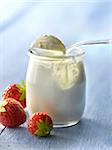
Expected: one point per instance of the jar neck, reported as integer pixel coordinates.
(53, 55)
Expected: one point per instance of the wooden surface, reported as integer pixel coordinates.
(88, 134)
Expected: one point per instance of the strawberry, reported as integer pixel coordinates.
(16, 91)
(40, 124)
(12, 113)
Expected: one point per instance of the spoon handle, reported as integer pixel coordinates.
(108, 41)
(93, 42)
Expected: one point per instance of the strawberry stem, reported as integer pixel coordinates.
(22, 89)
(23, 84)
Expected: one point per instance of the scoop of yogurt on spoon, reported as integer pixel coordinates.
(48, 45)
(65, 72)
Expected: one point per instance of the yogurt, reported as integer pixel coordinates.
(56, 86)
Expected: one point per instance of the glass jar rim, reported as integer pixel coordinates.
(40, 53)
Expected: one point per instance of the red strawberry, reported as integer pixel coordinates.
(16, 91)
(40, 124)
(12, 113)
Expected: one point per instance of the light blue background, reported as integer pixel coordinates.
(21, 22)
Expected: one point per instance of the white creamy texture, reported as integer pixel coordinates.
(49, 42)
(57, 88)
(67, 73)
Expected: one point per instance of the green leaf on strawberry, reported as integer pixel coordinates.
(40, 124)
(22, 90)
(44, 127)
(2, 109)
(2, 104)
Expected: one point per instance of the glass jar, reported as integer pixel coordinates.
(56, 85)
